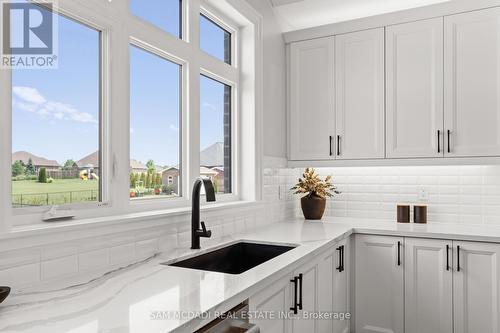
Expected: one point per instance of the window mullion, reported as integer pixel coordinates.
(6, 150)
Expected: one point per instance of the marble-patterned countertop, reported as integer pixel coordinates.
(150, 297)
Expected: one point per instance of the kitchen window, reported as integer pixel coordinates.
(215, 40)
(215, 133)
(155, 111)
(164, 14)
(56, 124)
(129, 112)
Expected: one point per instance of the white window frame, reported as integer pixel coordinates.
(119, 29)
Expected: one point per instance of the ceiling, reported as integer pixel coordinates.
(301, 14)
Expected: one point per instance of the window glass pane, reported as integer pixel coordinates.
(165, 14)
(55, 124)
(215, 133)
(214, 40)
(155, 107)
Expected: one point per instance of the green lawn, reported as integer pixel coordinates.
(60, 191)
(58, 185)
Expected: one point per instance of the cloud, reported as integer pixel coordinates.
(30, 95)
(33, 101)
(174, 128)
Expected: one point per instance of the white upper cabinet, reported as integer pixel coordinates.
(312, 117)
(414, 96)
(359, 87)
(428, 285)
(472, 83)
(476, 292)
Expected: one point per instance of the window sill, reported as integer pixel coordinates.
(125, 222)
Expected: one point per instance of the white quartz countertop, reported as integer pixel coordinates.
(150, 297)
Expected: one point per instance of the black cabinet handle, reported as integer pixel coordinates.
(299, 305)
(449, 147)
(338, 145)
(458, 258)
(294, 308)
(447, 257)
(439, 141)
(331, 153)
(399, 253)
(340, 259)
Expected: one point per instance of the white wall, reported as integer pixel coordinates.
(274, 82)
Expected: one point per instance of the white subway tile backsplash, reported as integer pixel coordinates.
(20, 276)
(57, 268)
(93, 260)
(121, 254)
(454, 194)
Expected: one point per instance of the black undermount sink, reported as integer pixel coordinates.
(234, 259)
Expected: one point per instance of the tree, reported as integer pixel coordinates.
(17, 168)
(151, 166)
(143, 178)
(158, 179)
(42, 176)
(132, 180)
(30, 168)
(69, 164)
(148, 181)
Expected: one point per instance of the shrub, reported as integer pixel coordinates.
(17, 168)
(42, 175)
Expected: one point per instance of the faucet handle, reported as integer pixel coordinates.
(206, 233)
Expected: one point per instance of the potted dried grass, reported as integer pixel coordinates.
(316, 191)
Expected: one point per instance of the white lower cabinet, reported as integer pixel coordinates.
(428, 286)
(317, 287)
(449, 286)
(378, 284)
(274, 299)
(476, 287)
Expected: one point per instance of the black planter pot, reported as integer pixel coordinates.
(313, 207)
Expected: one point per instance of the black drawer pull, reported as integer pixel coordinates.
(458, 258)
(299, 305)
(339, 268)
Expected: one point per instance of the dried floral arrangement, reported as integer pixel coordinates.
(312, 185)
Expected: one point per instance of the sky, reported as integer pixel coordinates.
(56, 111)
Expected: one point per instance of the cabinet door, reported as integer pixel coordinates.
(378, 289)
(428, 286)
(274, 299)
(414, 62)
(333, 288)
(476, 287)
(312, 114)
(308, 297)
(359, 69)
(472, 83)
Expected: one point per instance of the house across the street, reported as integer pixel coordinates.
(38, 162)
